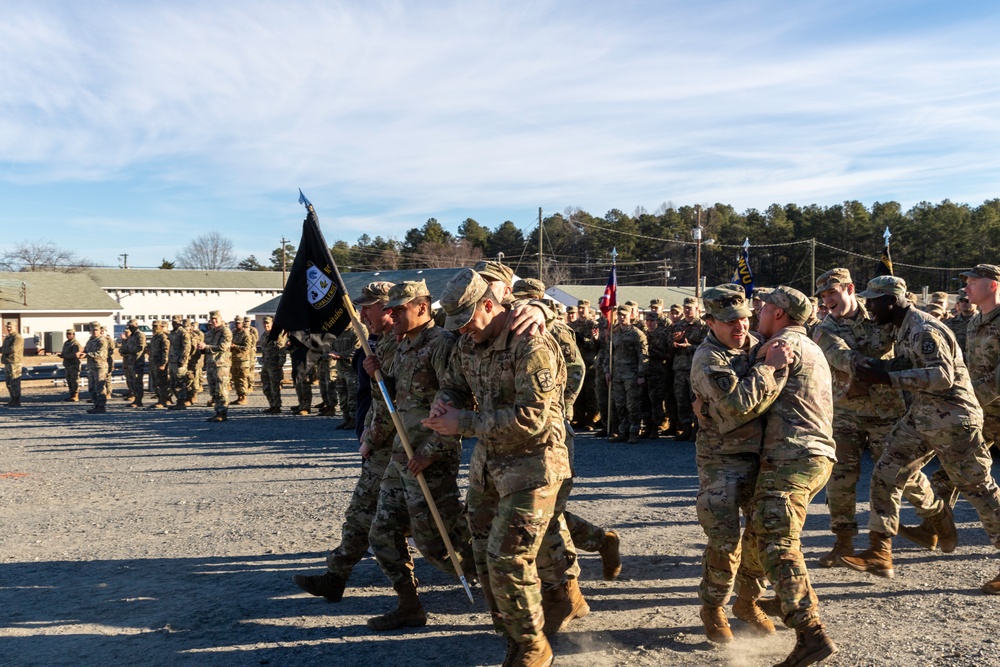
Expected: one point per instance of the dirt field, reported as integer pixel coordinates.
(153, 537)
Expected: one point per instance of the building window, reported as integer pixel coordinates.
(80, 327)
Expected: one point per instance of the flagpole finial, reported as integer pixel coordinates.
(302, 200)
(746, 243)
(887, 234)
(614, 254)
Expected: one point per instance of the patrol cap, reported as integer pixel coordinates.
(939, 297)
(372, 293)
(214, 313)
(726, 302)
(133, 322)
(460, 296)
(884, 285)
(793, 302)
(495, 271)
(631, 304)
(991, 271)
(650, 315)
(70, 331)
(831, 279)
(405, 292)
(760, 292)
(624, 309)
(529, 288)
(656, 302)
(177, 318)
(935, 309)
(246, 321)
(186, 322)
(690, 301)
(268, 319)
(93, 325)
(675, 308)
(583, 303)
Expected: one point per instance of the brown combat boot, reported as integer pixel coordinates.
(580, 606)
(876, 559)
(944, 526)
(409, 613)
(557, 609)
(844, 546)
(747, 610)
(326, 585)
(812, 645)
(513, 648)
(992, 587)
(536, 653)
(716, 624)
(922, 535)
(611, 560)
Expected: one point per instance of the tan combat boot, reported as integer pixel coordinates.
(716, 624)
(536, 653)
(844, 546)
(557, 609)
(944, 526)
(580, 606)
(992, 587)
(922, 535)
(747, 610)
(611, 560)
(409, 613)
(812, 645)
(876, 559)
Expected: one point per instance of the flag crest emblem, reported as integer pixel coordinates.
(318, 286)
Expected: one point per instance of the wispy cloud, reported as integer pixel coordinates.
(395, 111)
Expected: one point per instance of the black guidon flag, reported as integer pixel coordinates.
(312, 308)
(884, 267)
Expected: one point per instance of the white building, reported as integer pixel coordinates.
(158, 294)
(43, 302)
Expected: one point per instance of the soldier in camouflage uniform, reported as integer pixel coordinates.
(862, 415)
(688, 333)
(217, 348)
(133, 351)
(196, 362)
(71, 362)
(242, 355)
(111, 360)
(660, 342)
(417, 367)
(346, 384)
(731, 394)
(944, 418)
(159, 351)
(796, 459)
(12, 356)
(627, 375)
(254, 342)
(586, 410)
(959, 324)
(325, 377)
(520, 457)
(272, 367)
(602, 382)
(96, 354)
(376, 450)
(177, 362)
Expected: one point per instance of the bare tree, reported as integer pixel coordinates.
(42, 255)
(436, 255)
(209, 252)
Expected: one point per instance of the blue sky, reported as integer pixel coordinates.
(136, 126)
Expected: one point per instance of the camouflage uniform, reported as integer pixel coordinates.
(944, 418)
(602, 388)
(96, 350)
(586, 409)
(111, 360)
(254, 341)
(177, 360)
(983, 361)
(346, 383)
(11, 356)
(960, 326)
(133, 350)
(272, 370)
(520, 458)
(71, 362)
(576, 370)
(692, 333)
(862, 414)
(326, 378)
(159, 350)
(196, 363)
(218, 349)
(660, 342)
(796, 459)
(242, 355)
(416, 369)
(631, 359)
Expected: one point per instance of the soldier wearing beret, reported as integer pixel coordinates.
(71, 362)
(943, 419)
(133, 350)
(217, 348)
(520, 458)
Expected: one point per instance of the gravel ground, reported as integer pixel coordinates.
(153, 537)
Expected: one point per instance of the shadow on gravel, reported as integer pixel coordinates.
(220, 611)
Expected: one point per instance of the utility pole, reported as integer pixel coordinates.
(540, 243)
(124, 258)
(283, 271)
(697, 262)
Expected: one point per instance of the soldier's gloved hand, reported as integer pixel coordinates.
(870, 375)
